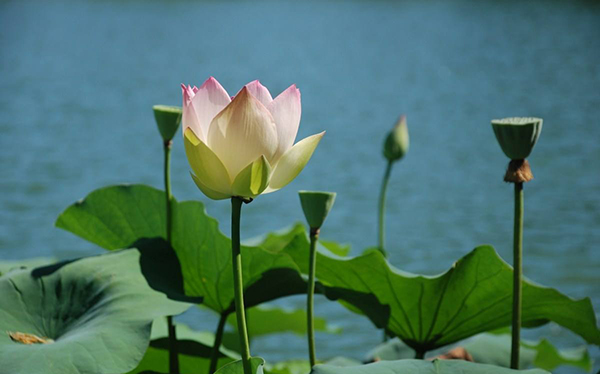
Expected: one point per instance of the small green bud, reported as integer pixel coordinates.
(316, 205)
(397, 143)
(168, 119)
(517, 135)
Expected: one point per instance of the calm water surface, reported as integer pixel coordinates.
(78, 79)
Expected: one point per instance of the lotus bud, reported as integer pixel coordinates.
(316, 205)
(168, 119)
(517, 137)
(397, 142)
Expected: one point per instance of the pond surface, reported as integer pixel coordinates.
(78, 79)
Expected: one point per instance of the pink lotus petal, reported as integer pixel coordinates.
(187, 93)
(206, 103)
(260, 92)
(286, 110)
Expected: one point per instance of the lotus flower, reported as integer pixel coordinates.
(243, 146)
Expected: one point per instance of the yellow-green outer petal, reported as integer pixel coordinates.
(211, 194)
(167, 119)
(253, 179)
(517, 136)
(293, 161)
(208, 168)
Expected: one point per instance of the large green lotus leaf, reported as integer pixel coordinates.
(289, 367)
(156, 360)
(6, 266)
(192, 342)
(303, 366)
(421, 367)
(277, 240)
(494, 349)
(194, 349)
(427, 312)
(265, 320)
(120, 216)
(236, 367)
(95, 315)
(205, 255)
(116, 217)
(336, 248)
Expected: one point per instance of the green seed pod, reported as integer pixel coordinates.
(396, 143)
(168, 119)
(517, 135)
(316, 205)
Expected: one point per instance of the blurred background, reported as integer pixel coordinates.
(78, 80)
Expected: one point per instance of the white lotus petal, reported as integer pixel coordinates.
(286, 110)
(242, 132)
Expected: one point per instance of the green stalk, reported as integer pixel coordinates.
(214, 354)
(420, 354)
(167, 149)
(238, 285)
(518, 275)
(314, 237)
(173, 356)
(384, 184)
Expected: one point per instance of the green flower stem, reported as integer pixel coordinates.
(518, 275)
(384, 184)
(173, 356)
(420, 354)
(314, 237)
(214, 355)
(238, 284)
(167, 149)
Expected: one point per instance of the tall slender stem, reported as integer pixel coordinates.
(314, 237)
(214, 354)
(167, 152)
(384, 184)
(173, 355)
(518, 275)
(238, 285)
(420, 354)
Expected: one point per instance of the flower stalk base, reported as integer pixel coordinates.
(238, 284)
(314, 238)
(517, 276)
(381, 209)
(173, 351)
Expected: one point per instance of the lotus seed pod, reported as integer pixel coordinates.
(168, 119)
(316, 205)
(517, 135)
(397, 142)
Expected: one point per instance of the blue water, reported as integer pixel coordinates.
(78, 79)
